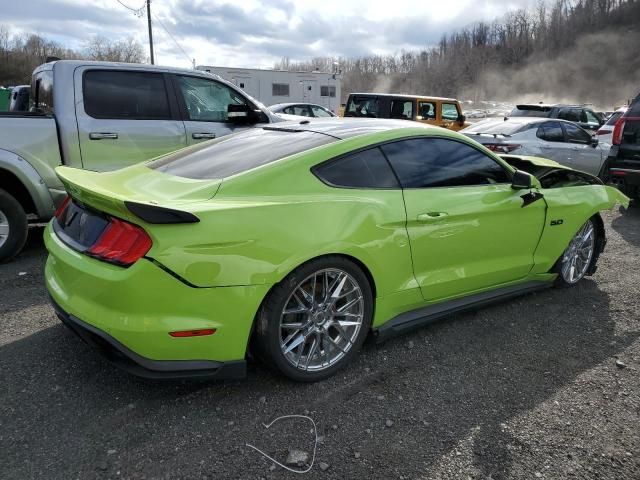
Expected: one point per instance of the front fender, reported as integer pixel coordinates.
(567, 210)
(617, 197)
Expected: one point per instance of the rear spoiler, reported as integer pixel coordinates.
(160, 215)
(539, 108)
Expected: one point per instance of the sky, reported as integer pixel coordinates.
(251, 33)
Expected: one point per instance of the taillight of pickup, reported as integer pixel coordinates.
(98, 235)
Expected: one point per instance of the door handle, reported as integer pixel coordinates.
(202, 135)
(103, 136)
(431, 217)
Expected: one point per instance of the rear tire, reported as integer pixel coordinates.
(315, 321)
(579, 258)
(13, 227)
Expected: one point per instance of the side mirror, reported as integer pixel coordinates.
(594, 142)
(521, 180)
(242, 114)
(462, 119)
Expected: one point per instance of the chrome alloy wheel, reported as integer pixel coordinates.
(4, 228)
(321, 320)
(577, 257)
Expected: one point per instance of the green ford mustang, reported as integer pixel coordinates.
(298, 240)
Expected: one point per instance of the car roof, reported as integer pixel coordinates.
(404, 95)
(523, 106)
(517, 120)
(289, 104)
(342, 128)
(72, 64)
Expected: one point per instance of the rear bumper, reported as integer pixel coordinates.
(129, 361)
(625, 179)
(623, 174)
(132, 312)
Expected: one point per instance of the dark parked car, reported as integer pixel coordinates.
(20, 98)
(624, 157)
(579, 114)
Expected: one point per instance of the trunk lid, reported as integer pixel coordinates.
(107, 191)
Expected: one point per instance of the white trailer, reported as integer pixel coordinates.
(281, 86)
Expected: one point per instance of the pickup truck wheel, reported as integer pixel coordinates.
(13, 227)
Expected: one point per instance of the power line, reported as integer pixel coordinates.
(137, 11)
(172, 38)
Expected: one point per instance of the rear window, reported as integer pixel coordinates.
(634, 109)
(530, 111)
(41, 99)
(496, 127)
(614, 118)
(238, 153)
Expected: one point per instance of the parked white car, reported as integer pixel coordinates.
(301, 110)
(605, 133)
(555, 139)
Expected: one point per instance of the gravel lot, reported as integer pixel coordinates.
(525, 389)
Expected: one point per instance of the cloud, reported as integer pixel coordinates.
(256, 33)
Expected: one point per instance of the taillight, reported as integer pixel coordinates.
(502, 147)
(121, 243)
(618, 128)
(63, 206)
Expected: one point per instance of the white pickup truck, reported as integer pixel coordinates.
(103, 116)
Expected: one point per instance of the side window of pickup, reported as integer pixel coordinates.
(207, 100)
(125, 95)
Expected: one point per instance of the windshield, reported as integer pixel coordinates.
(238, 153)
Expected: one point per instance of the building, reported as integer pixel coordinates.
(281, 86)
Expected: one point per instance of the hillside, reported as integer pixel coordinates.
(521, 57)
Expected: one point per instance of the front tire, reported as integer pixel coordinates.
(13, 227)
(579, 257)
(314, 322)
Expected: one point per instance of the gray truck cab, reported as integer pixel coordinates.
(103, 116)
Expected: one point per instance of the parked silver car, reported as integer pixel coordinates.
(556, 139)
(302, 110)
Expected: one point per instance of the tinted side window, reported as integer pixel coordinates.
(320, 112)
(41, 100)
(551, 132)
(591, 117)
(125, 95)
(300, 110)
(571, 114)
(402, 109)
(437, 162)
(362, 107)
(365, 169)
(206, 100)
(427, 110)
(449, 111)
(576, 134)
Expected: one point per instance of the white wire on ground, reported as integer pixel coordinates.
(315, 446)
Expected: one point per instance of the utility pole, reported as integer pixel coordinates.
(150, 32)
